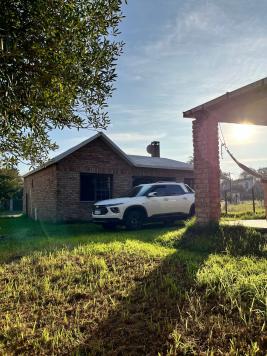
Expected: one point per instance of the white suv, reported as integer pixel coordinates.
(166, 201)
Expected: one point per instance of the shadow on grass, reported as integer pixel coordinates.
(168, 313)
(145, 320)
(21, 236)
(235, 240)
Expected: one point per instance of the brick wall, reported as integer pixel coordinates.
(96, 157)
(206, 169)
(41, 191)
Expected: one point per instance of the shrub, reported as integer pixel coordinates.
(239, 240)
(235, 240)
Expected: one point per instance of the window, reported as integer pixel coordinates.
(174, 190)
(160, 190)
(138, 191)
(167, 190)
(95, 187)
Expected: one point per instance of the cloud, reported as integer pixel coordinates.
(219, 38)
(194, 21)
(125, 137)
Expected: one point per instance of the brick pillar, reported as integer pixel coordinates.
(206, 169)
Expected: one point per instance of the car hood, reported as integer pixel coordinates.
(113, 201)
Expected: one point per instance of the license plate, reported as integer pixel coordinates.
(97, 212)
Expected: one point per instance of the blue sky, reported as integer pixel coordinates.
(180, 53)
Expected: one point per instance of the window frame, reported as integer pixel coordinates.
(94, 176)
(166, 186)
(153, 189)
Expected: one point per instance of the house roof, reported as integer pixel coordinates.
(136, 161)
(248, 101)
(159, 162)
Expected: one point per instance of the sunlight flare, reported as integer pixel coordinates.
(242, 133)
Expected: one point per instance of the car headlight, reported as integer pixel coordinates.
(115, 210)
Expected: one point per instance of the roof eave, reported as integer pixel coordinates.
(77, 147)
(222, 98)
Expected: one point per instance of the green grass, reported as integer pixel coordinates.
(76, 289)
(243, 211)
(21, 236)
(241, 279)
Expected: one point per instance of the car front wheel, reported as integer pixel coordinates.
(134, 219)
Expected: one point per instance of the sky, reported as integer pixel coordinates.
(178, 54)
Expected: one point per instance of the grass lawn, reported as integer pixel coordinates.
(77, 289)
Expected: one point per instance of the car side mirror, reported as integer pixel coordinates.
(152, 194)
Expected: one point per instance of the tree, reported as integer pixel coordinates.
(225, 175)
(190, 160)
(57, 69)
(10, 183)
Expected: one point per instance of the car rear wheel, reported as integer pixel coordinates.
(134, 219)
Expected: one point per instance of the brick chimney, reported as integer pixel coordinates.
(154, 149)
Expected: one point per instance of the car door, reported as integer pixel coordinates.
(179, 201)
(159, 204)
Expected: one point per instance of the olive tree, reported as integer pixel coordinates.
(57, 70)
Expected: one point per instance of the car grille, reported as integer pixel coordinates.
(102, 209)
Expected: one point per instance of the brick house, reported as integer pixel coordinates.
(67, 185)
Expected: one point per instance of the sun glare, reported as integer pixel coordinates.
(242, 132)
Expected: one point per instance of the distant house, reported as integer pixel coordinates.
(241, 189)
(66, 186)
(245, 184)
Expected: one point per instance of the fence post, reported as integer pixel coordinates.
(253, 200)
(225, 204)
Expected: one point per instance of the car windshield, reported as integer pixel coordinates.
(138, 191)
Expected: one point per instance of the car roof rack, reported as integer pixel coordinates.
(166, 181)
